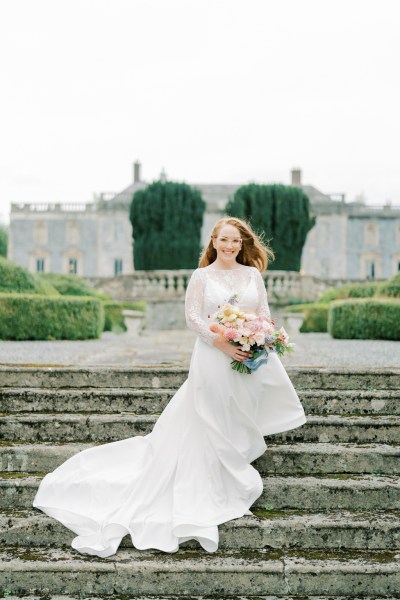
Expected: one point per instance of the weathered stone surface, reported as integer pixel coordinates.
(319, 458)
(349, 493)
(326, 525)
(36, 458)
(344, 379)
(138, 573)
(279, 459)
(330, 429)
(297, 493)
(171, 597)
(108, 428)
(18, 492)
(38, 376)
(74, 427)
(89, 377)
(145, 401)
(92, 400)
(376, 402)
(273, 530)
(348, 577)
(227, 574)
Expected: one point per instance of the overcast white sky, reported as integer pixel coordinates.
(212, 90)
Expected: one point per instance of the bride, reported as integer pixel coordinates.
(193, 471)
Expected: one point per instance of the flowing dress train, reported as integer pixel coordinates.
(193, 471)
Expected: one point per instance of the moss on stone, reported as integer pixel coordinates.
(19, 475)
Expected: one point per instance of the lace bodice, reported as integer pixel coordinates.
(208, 288)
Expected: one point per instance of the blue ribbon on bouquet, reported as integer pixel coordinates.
(260, 358)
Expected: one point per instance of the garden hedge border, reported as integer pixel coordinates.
(33, 317)
(365, 319)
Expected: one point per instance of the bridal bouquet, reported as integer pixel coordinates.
(254, 334)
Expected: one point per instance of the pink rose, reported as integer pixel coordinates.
(231, 335)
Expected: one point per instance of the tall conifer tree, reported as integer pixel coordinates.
(3, 241)
(282, 214)
(166, 222)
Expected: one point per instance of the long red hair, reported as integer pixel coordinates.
(253, 253)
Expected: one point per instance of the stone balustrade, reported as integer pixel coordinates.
(58, 207)
(170, 285)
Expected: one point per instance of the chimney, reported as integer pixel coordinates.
(136, 171)
(296, 177)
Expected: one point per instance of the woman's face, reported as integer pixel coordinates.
(228, 243)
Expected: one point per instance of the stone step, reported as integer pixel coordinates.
(195, 573)
(172, 597)
(266, 529)
(91, 400)
(279, 459)
(104, 428)
(323, 493)
(147, 401)
(310, 459)
(36, 376)
(378, 402)
(79, 596)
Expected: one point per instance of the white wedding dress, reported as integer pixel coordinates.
(192, 472)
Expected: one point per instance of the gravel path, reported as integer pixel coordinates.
(174, 348)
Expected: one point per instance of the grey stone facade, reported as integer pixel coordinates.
(91, 241)
(349, 240)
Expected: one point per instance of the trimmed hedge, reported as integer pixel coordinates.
(315, 318)
(355, 290)
(72, 285)
(364, 319)
(32, 317)
(17, 279)
(114, 319)
(391, 288)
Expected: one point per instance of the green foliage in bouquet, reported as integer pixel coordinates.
(3, 241)
(391, 287)
(114, 319)
(14, 278)
(281, 213)
(72, 285)
(365, 319)
(166, 222)
(354, 290)
(34, 317)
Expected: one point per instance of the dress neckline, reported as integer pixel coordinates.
(241, 268)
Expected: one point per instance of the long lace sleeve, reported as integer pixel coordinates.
(194, 307)
(262, 308)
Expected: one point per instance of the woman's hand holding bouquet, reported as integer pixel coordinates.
(247, 338)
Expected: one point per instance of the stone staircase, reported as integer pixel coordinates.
(327, 524)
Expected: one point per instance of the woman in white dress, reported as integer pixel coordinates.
(193, 471)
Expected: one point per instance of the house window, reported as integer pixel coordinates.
(325, 264)
(72, 266)
(117, 231)
(40, 265)
(73, 232)
(40, 233)
(371, 234)
(117, 266)
(371, 269)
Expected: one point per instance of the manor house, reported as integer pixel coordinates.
(349, 241)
